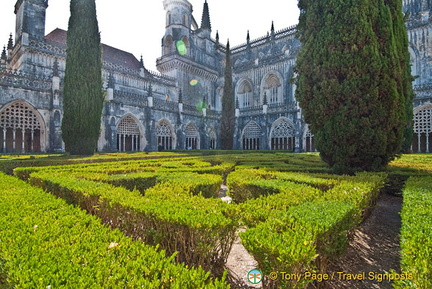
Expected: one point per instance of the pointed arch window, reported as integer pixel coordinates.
(168, 19)
(169, 44)
(212, 136)
(273, 88)
(192, 137)
(283, 135)
(128, 135)
(21, 129)
(422, 141)
(308, 141)
(185, 20)
(251, 136)
(186, 43)
(164, 135)
(245, 94)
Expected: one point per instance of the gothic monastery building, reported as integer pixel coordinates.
(179, 107)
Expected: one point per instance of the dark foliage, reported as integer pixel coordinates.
(82, 97)
(354, 81)
(228, 109)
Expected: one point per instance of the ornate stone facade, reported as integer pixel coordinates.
(178, 107)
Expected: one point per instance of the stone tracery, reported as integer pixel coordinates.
(192, 137)
(164, 135)
(282, 135)
(423, 129)
(251, 136)
(128, 134)
(21, 128)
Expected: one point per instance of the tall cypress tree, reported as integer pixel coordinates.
(82, 96)
(352, 81)
(228, 109)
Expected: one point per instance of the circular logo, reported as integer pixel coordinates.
(254, 276)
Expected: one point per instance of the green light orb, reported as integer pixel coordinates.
(181, 47)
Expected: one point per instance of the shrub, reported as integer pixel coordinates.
(416, 234)
(201, 230)
(46, 242)
(299, 240)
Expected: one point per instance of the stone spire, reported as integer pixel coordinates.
(205, 20)
(217, 39)
(141, 62)
(272, 31)
(56, 67)
(150, 91)
(111, 80)
(3, 55)
(248, 39)
(10, 43)
(3, 58)
(180, 97)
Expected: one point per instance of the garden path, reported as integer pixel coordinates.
(374, 247)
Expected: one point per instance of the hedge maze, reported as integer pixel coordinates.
(156, 220)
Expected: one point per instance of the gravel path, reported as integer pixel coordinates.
(374, 248)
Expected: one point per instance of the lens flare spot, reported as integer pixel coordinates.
(181, 47)
(201, 105)
(193, 82)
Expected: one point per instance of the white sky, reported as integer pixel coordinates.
(137, 26)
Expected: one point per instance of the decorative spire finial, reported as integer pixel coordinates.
(180, 97)
(111, 80)
(3, 55)
(10, 43)
(205, 20)
(150, 91)
(141, 62)
(272, 31)
(56, 67)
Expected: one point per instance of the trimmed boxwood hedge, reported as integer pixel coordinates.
(46, 243)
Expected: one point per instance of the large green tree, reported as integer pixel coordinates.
(82, 95)
(354, 81)
(228, 108)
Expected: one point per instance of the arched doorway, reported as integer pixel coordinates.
(282, 135)
(212, 136)
(192, 137)
(308, 141)
(422, 140)
(165, 135)
(128, 134)
(21, 128)
(251, 136)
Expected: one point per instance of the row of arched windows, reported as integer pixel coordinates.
(22, 130)
(271, 91)
(171, 46)
(129, 135)
(282, 136)
(169, 19)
